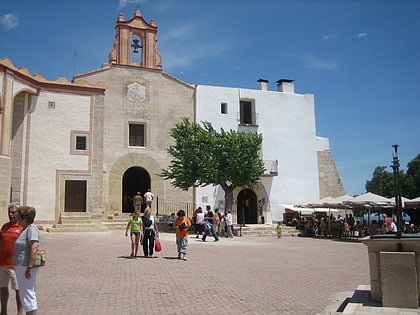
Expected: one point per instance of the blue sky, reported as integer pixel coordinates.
(361, 59)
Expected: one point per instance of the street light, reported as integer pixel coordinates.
(397, 189)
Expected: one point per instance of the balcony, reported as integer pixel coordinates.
(271, 168)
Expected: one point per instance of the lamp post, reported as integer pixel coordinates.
(397, 189)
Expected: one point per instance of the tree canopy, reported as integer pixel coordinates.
(382, 182)
(202, 156)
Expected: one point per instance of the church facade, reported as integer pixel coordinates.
(91, 144)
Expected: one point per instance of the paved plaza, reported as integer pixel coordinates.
(91, 273)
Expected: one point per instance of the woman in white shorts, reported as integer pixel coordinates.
(26, 248)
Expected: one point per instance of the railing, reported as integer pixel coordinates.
(245, 120)
(166, 206)
(271, 167)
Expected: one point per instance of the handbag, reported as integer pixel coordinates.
(158, 246)
(41, 256)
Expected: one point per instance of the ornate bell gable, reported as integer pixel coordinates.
(135, 43)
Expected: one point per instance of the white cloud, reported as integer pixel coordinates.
(362, 34)
(184, 46)
(9, 21)
(123, 3)
(313, 62)
(328, 36)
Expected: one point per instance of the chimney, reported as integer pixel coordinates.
(262, 84)
(285, 85)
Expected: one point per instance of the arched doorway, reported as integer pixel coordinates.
(135, 179)
(247, 207)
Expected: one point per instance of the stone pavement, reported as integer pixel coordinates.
(91, 273)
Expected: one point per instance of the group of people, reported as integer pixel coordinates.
(19, 243)
(143, 230)
(215, 223)
(138, 200)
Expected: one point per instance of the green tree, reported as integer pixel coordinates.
(413, 178)
(202, 156)
(382, 182)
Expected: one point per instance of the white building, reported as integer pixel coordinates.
(294, 157)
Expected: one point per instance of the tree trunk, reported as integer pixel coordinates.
(228, 196)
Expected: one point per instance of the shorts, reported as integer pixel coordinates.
(6, 275)
(135, 234)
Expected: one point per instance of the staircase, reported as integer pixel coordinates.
(88, 222)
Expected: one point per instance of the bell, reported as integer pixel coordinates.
(135, 45)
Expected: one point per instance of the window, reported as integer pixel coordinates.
(136, 135)
(79, 142)
(223, 108)
(247, 115)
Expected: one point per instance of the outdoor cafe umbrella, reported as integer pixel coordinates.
(369, 201)
(413, 203)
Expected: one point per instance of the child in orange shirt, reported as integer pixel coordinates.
(181, 226)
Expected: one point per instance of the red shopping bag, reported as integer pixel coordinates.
(158, 246)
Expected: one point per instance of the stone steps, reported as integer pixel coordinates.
(88, 222)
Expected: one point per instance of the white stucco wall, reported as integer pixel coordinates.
(49, 146)
(287, 123)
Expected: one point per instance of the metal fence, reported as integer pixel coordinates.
(166, 207)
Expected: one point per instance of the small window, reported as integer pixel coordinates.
(81, 143)
(136, 135)
(223, 108)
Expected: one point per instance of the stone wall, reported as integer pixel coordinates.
(329, 181)
(4, 188)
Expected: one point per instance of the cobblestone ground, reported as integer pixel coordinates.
(91, 273)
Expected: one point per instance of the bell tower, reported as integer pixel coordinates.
(135, 43)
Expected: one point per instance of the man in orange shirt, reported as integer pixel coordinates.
(9, 233)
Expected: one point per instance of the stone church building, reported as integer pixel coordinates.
(90, 145)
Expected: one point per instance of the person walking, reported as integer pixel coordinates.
(24, 255)
(148, 198)
(137, 202)
(181, 225)
(9, 233)
(278, 230)
(209, 225)
(216, 221)
(229, 224)
(199, 223)
(135, 225)
(150, 230)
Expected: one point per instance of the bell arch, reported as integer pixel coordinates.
(136, 35)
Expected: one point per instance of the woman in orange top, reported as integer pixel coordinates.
(181, 226)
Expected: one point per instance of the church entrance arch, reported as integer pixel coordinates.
(247, 207)
(135, 179)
